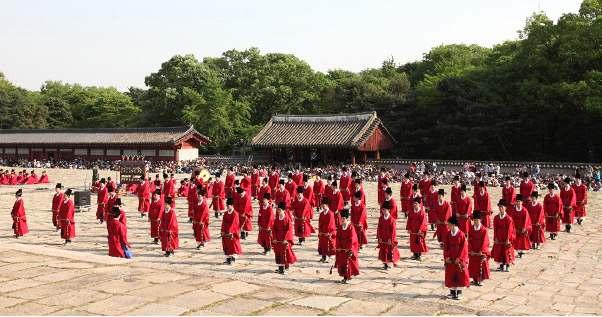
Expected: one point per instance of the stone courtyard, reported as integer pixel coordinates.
(40, 276)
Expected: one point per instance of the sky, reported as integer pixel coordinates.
(117, 43)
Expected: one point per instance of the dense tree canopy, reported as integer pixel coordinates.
(538, 97)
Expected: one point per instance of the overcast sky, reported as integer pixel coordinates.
(118, 43)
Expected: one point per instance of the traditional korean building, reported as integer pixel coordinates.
(155, 144)
(346, 138)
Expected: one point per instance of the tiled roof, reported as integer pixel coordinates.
(319, 131)
(159, 135)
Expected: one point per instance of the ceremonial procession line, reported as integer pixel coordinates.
(411, 279)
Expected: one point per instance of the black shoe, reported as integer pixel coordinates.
(166, 254)
(452, 293)
(432, 226)
(418, 257)
(500, 268)
(216, 214)
(200, 245)
(458, 295)
(507, 268)
(243, 235)
(568, 228)
(344, 281)
(228, 261)
(385, 266)
(156, 241)
(579, 221)
(232, 259)
(323, 259)
(281, 270)
(520, 254)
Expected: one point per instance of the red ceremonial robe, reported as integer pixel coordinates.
(168, 229)
(219, 194)
(155, 214)
(552, 208)
(143, 198)
(318, 190)
(66, 217)
(200, 222)
(242, 205)
(346, 262)
(283, 241)
(229, 184)
(416, 227)
(19, 219)
(265, 222)
(231, 234)
(282, 196)
(509, 196)
(192, 198)
(359, 221)
(381, 188)
(423, 187)
(273, 181)
(455, 255)
(298, 178)
(478, 253)
(309, 195)
(454, 197)
(117, 237)
(522, 226)
(431, 199)
(255, 182)
(405, 193)
(101, 201)
(185, 189)
(245, 184)
(503, 238)
(443, 212)
(291, 188)
(580, 200)
(344, 183)
(464, 213)
(569, 201)
(327, 233)
(335, 205)
(526, 189)
(538, 222)
(393, 210)
(482, 203)
(57, 199)
(43, 179)
(302, 212)
(386, 234)
(108, 206)
(264, 190)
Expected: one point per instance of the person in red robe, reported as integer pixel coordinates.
(168, 229)
(405, 194)
(455, 257)
(318, 189)
(291, 186)
(478, 250)
(264, 189)
(67, 217)
(359, 217)
(298, 177)
(123, 218)
(111, 184)
(382, 184)
(200, 219)
(281, 195)
(143, 193)
(282, 242)
(102, 197)
(430, 202)
(192, 198)
(552, 208)
(155, 213)
(265, 222)
(242, 205)
(18, 214)
(455, 193)
(508, 194)
(43, 178)
(503, 238)
(392, 203)
(443, 211)
(417, 227)
(569, 202)
(245, 184)
(302, 212)
(526, 188)
(57, 199)
(386, 235)
(358, 187)
(464, 208)
(110, 203)
(327, 232)
(346, 261)
(185, 187)
(337, 202)
(344, 182)
(117, 234)
(538, 221)
(274, 179)
(229, 183)
(255, 182)
(423, 185)
(522, 225)
(32, 178)
(308, 193)
(169, 189)
(580, 199)
(230, 233)
(218, 195)
(482, 203)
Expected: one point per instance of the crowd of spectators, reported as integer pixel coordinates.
(492, 174)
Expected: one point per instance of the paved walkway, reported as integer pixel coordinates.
(40, 276)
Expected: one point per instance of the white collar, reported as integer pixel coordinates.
(325, 211)
(281, 217)
(440, 202)
(504, 216)
(477, 227)
(517, 209)
(416, 211)
(345, 226)
(534, 203)
(456, 232)
(387, 217)
(230, 212)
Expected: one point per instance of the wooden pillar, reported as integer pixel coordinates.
(365, 157)
(378, 154)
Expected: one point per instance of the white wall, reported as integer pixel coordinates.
(188, 154)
